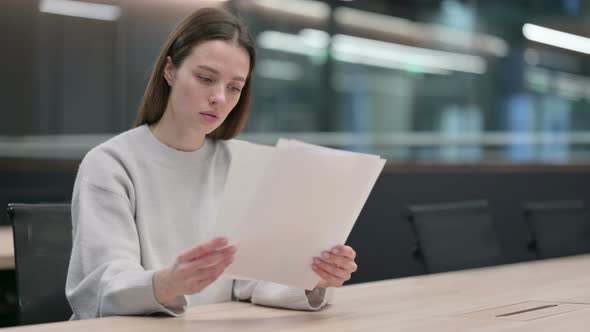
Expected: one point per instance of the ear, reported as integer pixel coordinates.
(169, 71)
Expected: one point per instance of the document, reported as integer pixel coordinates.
(284, 205)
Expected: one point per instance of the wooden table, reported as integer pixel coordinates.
(455, 301)
(6, 248)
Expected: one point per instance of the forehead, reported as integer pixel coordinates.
(224, 56)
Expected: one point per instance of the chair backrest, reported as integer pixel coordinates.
(455, 236)
(558, 228)
(42, 246)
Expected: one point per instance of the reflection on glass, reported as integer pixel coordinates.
(444, 81)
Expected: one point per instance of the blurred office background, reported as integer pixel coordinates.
(421, 81)
(467, 99)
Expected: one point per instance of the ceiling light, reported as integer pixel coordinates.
(556, 38)
(90, 10)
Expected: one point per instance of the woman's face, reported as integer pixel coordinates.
(207, 85)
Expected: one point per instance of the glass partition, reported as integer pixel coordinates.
(444, 81)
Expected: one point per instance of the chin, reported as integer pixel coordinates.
(209, 131)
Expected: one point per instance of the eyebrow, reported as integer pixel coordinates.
(215, 71)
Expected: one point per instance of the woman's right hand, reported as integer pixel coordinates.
(193, 270)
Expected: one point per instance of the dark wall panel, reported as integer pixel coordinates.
(16, 69)
(383, 239)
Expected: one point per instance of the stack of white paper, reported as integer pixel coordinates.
(284, 205)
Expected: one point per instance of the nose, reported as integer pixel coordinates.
(217, 95)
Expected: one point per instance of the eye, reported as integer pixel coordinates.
(235, 89)
(204, 79)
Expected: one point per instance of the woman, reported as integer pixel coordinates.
(145, 196)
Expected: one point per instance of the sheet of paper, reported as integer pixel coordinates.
(283, 206)
(247, 166)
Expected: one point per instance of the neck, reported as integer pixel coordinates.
(177, 135)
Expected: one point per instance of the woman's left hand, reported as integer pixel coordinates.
(334, 266)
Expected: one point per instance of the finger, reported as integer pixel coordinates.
(325, 275)
(329, 279)
(212, 272)
(214, 258)
(332, 269)
(196, 285)
(344, 251)
(218, 259)
(342, 262)
(203, 249)
(203, 279)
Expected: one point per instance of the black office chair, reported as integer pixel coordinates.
(558, 228)
(42, 247)
(455, 236)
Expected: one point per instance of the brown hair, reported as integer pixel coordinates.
(203, 25)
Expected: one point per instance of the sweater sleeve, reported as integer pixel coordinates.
(277, 295)
(105, 275)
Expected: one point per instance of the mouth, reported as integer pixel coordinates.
(208, 117)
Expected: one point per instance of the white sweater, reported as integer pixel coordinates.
(136, 205)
